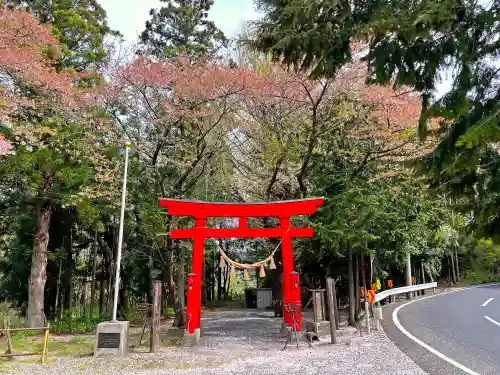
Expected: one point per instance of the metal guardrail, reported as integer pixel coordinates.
(404, 289)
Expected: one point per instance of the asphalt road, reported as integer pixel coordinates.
(461, 326)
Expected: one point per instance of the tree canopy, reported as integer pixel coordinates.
(181, 26)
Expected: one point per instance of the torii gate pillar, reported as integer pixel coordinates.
(200, 211)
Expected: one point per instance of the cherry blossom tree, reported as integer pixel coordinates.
(52, 144)
(5, 146)
(176, 112)
(178, 115)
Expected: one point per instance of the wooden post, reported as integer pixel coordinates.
(7, 335)
(154, 343)
(336, 304)
(45, 344)
(330, 290)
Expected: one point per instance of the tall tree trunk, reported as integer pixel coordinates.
(83, 299)
(456, 265)
(363, 272)
(219, 283)
(180, 305)
(456, 277)
(123, 307)
(38, 273)
(169, 271)
(215, 267)
(453, 276)
(150, 275)
(109, 284)
(356, 286)
(102, 291)
(204, 286)
(350, 285)
(226, 280)
(227, 283)
(69, 272)
(92, 288)
(58, 291)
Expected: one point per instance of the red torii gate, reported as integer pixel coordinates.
(200, 211)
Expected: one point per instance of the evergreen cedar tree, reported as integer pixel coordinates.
(181, 26)
(79, 26)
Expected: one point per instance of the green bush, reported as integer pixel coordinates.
(11, 315)
(480, 276)
(68, 324)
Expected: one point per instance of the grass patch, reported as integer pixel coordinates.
(79, 340)
(76, 346)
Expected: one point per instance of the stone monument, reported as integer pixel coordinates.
(112, 339)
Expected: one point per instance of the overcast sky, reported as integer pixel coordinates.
(129, 16)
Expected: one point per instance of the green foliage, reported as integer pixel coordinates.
(10, 315)
(182, 26)
(388, 218)
(483, 132)
(80, 27)
(309, 35)
(404, 50)
(74, 324)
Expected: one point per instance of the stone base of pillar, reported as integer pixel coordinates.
(191, 339)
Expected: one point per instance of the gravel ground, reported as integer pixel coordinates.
(242, 342)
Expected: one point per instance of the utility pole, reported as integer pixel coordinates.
(120, 235)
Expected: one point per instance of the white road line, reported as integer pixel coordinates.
(484, 304)
(423, 344)
(492, 320)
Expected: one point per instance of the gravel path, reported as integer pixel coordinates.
(240, 342)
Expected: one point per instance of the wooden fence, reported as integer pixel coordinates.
(10, 353)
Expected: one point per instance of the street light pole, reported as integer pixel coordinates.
(120, 235)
